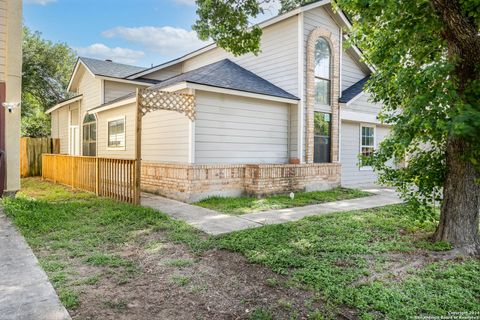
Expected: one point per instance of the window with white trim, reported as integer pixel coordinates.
(89, 139)
(116, 133)
(367, 142)
(322, 72)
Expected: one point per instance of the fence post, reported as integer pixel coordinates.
(55, 171)
(72, 168)
(138, 149)
(97, 176)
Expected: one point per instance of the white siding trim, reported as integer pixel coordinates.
(359, 116)
(113, 105)
(125, 81)
(301, 87)
(191, 141)
(102, 91)
(340, 40)
(65, 103)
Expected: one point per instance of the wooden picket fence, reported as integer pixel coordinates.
(112, 178)
(31, 150)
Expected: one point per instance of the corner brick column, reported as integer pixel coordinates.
(310, 85)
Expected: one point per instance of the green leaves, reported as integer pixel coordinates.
(227, 23)
(46, 71)
(416, 80)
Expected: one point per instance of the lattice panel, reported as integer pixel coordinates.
(151, 100)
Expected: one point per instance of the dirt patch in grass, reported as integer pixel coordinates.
(216, 284)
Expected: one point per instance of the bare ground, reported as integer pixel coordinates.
(216, 284)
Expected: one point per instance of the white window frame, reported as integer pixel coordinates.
(330, 59)
(124, 118)
(367, 125)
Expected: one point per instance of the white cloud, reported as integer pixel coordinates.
(185, 2)
(167, 41)
(117, 54)
(40, 2)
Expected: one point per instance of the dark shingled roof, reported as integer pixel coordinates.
(110, 69)
(353, 91)
(228, 75)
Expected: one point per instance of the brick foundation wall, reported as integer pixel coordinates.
(274, 179)
(192, 183)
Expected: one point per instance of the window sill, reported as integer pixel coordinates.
(116, 148)
(366, 169)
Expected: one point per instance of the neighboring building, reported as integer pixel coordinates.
(10, 94)
(295, 117)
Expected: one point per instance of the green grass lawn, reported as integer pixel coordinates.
(69, 230)
(243, 205)
(378, 263)
(373, 264)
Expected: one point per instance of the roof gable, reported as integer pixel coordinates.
(109, 68)
(353, 91)
(228, 75)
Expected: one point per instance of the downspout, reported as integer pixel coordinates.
(2, 138)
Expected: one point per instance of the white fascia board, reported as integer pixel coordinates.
(359, 116)
(125, 81)
(117, 104)
(359, 55)
(240, 93)
(64, 103)
(75, 70)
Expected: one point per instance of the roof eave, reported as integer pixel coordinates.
(65, 103)
(75, 70)
(116, 104)
(203, 87)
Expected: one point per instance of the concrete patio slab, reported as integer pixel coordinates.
(25, 292)
(216, 223)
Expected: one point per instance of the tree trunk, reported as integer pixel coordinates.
(461, 205)
(461, 202)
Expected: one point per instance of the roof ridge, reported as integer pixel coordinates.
(104, 60)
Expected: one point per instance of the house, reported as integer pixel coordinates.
(295, 117)
(10, 94)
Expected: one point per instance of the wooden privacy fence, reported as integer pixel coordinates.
(112, 178)
(31, 150)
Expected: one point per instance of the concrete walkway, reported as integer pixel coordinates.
(25, 292)
(215, 223)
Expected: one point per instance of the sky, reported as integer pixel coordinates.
(137, 32)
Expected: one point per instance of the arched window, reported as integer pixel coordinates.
(89, 135)
(322, 72)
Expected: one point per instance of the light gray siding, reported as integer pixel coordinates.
(63, 129)
(364, 105)
(54, 124)
(352, 175)
(114, 90)
(166, 73)
(127, 112)
(233, 129)
(277, 62)
(165, 137)
(351, 72)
